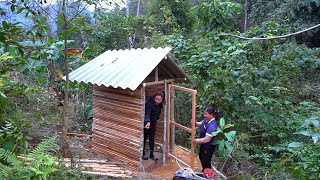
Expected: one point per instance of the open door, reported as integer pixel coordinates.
(171, 121)
(148, 89)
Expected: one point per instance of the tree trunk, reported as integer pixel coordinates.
(134, 35)
(66, 94)
(127, 8)
(138, 8)
(130, 40)
(245, 15)
(173, 128)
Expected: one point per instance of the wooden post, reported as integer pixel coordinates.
(143, 99)
(156, 74)
(173, 128)
(171, 123)
(157, 83)
(193, 127)
(168, 121)
(165, 124)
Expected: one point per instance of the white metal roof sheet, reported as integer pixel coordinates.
(121, 68)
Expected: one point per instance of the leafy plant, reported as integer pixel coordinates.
(215, 14)
(224, 139)
(40, 167)
(38, 164)
(43, 164)
(311, 128)
(12, 138)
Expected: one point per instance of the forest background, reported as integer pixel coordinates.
(266, 90)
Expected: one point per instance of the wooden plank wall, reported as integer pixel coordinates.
(151, 90)
(116, 129)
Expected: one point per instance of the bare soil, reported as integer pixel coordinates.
(81, 148)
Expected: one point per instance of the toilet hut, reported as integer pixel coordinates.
(122, 80)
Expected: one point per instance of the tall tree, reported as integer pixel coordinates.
(169, 16)
(297, 14)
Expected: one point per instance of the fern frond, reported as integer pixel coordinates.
(4, 171)
(9, 157)
(44, 147)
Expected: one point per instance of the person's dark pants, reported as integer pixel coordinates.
(205, 156)
(151, 132)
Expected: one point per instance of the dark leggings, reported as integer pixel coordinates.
(205, 156)
(151, 132)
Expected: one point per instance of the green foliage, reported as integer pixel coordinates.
(256, 84)
(216, 14)
(38, 164)
(224, 139)
(41, 167)
(298, 14)
(169, 16)
(286, 11)
(266, 88)
(311, 128)
(109, 33)
(9, 157)
(12, 138)
(301, 157)
(42, 164)
(44, 147)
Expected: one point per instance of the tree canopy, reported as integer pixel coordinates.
(268, 90)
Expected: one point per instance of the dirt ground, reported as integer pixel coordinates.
(172, 166)
(82, 148)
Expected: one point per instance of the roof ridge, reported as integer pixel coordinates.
(126, 68)
(134, 49)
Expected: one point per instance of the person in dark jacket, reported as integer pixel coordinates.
(207, 126)
(153, 107)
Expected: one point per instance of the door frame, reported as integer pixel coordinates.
(171, 122)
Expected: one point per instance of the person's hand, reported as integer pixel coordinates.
(147, 126)
(194, 141)
(196, 124)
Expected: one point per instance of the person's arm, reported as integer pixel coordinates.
(198, 124)
(204, 140)
(147, 113)
(207, 138)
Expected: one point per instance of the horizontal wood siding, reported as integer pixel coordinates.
(150, 91)
(116, 129)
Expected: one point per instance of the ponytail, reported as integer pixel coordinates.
(212, 111)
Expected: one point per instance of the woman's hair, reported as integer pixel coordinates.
(212, 111)
(160, 93)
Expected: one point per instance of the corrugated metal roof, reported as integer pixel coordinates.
(122, 68)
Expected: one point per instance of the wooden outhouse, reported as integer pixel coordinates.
(122, 79)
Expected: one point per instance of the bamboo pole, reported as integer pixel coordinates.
(156, 74)
(143, 99)
(171, 155)
(157, 82)
(165, 124)
(168, 122)
(173, 129)
(183, 89)
(106, 174)
(193, 127)
(77, 134)
(181, 127)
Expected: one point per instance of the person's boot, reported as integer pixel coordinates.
(144, 156)
(152, 156)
